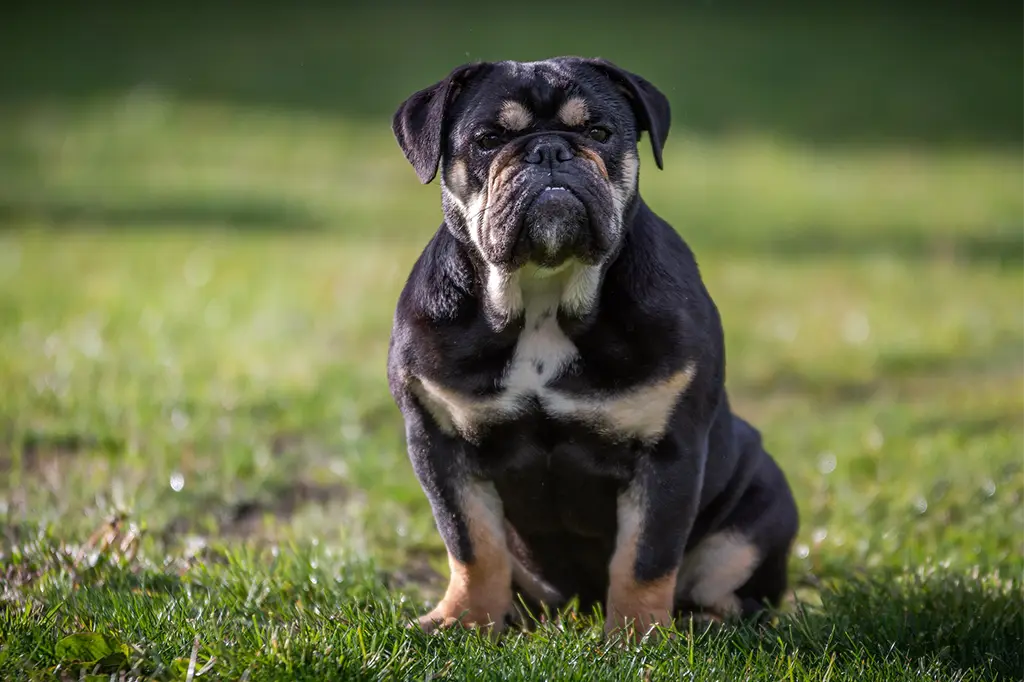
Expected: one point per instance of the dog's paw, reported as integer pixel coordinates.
(633, 627)
(700, 622)
(491, 619)
(635, 610)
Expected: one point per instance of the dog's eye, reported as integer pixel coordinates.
(599, 133)
(489, 140)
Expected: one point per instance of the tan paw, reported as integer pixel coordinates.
(636, 609)
(635, 625)
(490, 616)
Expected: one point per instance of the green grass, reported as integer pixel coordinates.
(205, 223)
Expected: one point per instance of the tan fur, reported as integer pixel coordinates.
(455, 412)
(597, 160)
(446, 407)
(515, 116)
(479, 593)
(504, 291)
(626, 186)
(458, 181)
(476, 208)
(634, 606)
(574, 112)
(642, 412)
(717, 567)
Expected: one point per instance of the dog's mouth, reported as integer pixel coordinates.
(555, 227)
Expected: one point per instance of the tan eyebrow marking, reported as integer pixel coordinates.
(574, 112)
(515, 116)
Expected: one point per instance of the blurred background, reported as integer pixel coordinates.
(205, 222)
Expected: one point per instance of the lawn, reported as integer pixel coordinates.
(205, 223)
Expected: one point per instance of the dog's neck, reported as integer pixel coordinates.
(572, 288)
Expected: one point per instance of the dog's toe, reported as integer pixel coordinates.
(439, 620)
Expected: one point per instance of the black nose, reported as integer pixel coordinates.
(549, 150)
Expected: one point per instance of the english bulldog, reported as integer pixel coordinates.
(560, 365)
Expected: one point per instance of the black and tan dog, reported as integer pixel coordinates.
(560, 365)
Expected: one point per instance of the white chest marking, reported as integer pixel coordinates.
(542, 353)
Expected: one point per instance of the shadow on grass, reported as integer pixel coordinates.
(277, 501)
(829, 73)
(999, 245)
(248, 213)
(964, 620)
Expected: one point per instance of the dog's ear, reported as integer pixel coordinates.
(650, 106)
(419, 123)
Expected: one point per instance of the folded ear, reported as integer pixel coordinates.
(419, 123)
(650, 107)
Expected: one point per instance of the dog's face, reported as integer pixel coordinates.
(538, 160)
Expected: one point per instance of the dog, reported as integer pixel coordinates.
(560, 369)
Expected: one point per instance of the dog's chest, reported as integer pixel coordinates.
(528, 385)
(542, 353)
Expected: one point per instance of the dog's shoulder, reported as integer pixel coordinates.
(436, 292)
(439, 329)
(671, 308)
(439, 288)
(659, 274)
(654, 319)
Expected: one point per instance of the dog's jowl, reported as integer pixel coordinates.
(560, 365)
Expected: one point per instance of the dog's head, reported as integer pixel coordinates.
(538, 160)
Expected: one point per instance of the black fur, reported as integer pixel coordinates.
(559, 478)
(419, 123)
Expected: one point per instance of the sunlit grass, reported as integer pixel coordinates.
(314, 613)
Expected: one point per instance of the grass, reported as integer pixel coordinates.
(205, 223)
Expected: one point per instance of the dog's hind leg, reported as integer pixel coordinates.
(741, 566)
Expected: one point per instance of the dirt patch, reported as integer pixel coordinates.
(418, 576)
(38, 448)
(247, 518)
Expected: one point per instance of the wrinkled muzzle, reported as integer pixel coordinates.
(547, 202)
(555, 227)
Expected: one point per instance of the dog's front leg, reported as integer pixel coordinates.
(655, 515)
(469, 517)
